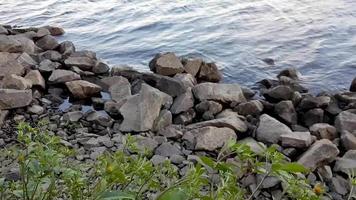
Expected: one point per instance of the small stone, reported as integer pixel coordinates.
(171, 132)
(73, 116)
(120, 89)
(166, 64)
(166, 149)
(323, 131)
(54, 30)
(35, 109)
(256, 147)
(48, 66)
(83, 89)
(47, 43)
(83, 62)
(10, 98)
(346, 164)
(100, 118)
(209, 109)
(177, 159)
(289, 72)
(158, 160)
(185, 118)
(63, 76)
(253, 107)
(339, 185)
(296, 140)
(8, 44)
(320, 153)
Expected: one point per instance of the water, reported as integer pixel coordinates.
(317, 37)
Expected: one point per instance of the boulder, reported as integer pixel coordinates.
(209, 72)
(225, 93)
(166, 64)
(47, 66)
(50, 55)
(3, 116)
(185, 118)
(347, 163)
(72, 116)
(141, 110)
(285, 110)
(107, 82)
(313, 116)
(323, 131)
(346, 121)
(66, 48)
(297, 140)
(183, 102)
(348, 140)
(353, 85)
(167, 149)
(83, 62)
(231, 122)
(320, 153)
(171, 132)
(192, 66)
(16, 82)
(100, 68)
(47, 42)
(208, 109)
(211, 138)
(9, 64)
(101, 118)
(120, 89)
(256, 147)
(35, 110)
(35, 77)
(145, 143)
(163, 120)
(8, 44)
(310, 102)
(289, 72)
(187, 79)
(26, 61)
(270, 130)
(10, 98)
(253, 107)
(63, 76)
(81, 89)
(54, 30)
(279, 93)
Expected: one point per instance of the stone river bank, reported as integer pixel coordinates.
(178, 112)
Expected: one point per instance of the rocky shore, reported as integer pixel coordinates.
(179, 111)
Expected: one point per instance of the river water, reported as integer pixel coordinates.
(316, 36)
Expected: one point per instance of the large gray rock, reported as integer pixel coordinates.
(8, 44)
(346, 121)
(313, 116)
(192, 66)
(166, 64)
(323, 131)
(66, 48)
(167, 149)
(35, 77)
(310, 102)
(100, 68)
(285, 110)
(187, 79)
(81, 89)
(50, 55)
(253, 107)
(27, 44)
(48, 66)
(183, 102)
(231, 122)
(347, 163)
(16, 82)
(279, 93)
(209, 72)
(83, 62)
(47, 42)
(320, 153)
(10, 98)
(120, 89)
(209, 109)
(219, 92)
(163, 120)
(348, 140)
(270, 130)
(63, 76)
(297, 140)
(9, 64)
(289, 72)
(211, 138)
(141, 110)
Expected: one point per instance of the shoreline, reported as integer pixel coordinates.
(179, 110)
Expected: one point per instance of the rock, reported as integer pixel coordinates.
(41, 32)
(270, 130)
(3, 116)
(253, 107)
(50, 55)
(346, 121)
(120, 89)
(81, 89)
(165, 84)
(16, 82)
(166, 149)
(232, 122)
(310, 102)
(256, 147)
(210, 138)
(225, 93)
(269, 182)
(158, 160)
(279, 93)
(83, 62)
(187, 79)
(289, 72)
(100, 68)
(8, 44)
(145, 143)
(171, 132)
(166, 64)
(192, 66)
(47, 43)
(163, 120)
(323, 131)
(269, 61)
(347, 97)
(353, 85)
(66, 48)
(27, 44)
(3, 31)
(112, 108)
(209, 109)
(26, 61)
(10, 98)
(297, 140)
(228, 113)
(35, 77)
(9, 64)
(107, 82)
(313, 116)
(101, 118)
(183, 102)
(48, 66)
(347, 163)
(320, 153)
(339, 185)
(348, 140)
(185, 117)
(140, 110)
(63, 76)
(209, 72)
(72, 116)
(55, 31)
(35, 109)
(285, 110)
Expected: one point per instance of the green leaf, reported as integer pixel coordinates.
(208, 161)
(290, 167)
(116, 195)
(173, 194)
